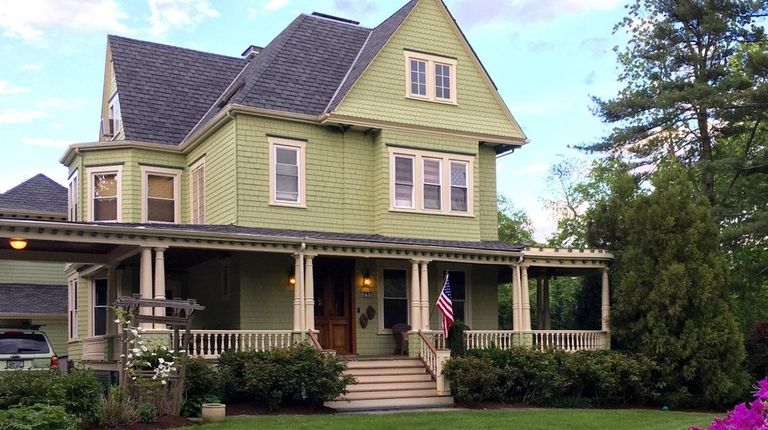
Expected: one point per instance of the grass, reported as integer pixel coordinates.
(529, 419)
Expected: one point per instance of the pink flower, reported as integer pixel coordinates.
(745, 418)
(762, 389)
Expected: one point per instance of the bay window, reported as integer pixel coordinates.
(104, 188)
(161, 195)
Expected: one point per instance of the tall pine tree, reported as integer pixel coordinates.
(672, 303)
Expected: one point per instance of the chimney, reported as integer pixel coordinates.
(251, 52)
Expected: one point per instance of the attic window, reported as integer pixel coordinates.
(114, 120)
(430, 77)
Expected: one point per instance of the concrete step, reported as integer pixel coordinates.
(386, 371)
(396, 362)
(423, 385)
(391, 403)
(389, 394)
(370, 379)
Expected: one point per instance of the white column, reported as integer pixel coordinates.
(547, 315)
(309, 292)
(515, 298)
(145, 282)
(160, 283)
(111, 297)
(415, 297)
(424, 296)
(526, 298)
(606, 307)
(539, 304)
(298, 305)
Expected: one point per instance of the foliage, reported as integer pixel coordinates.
(300, 374)
(117, 408)
(671, 301)
(147, 413)
(745, 416)
(756, 344)
(81, 392)
(37, 417)
(201, 386)
(455, 339)
(551, 378)
(515, 225)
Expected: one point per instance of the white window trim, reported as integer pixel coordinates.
(198, 164)
(92, 306)
(73, 197)
(431, 60)
(116, 119)
(418, 179)
(72, 310)
(380, 293)
(440, 183)
(441, 268)
(414, 183)
(160, 171)
(301, 146)
(118, 171)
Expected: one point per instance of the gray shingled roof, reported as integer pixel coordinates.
(165, 90)
(346, 237)
(39, 194)
(33, 299)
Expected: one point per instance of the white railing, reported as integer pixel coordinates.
(570, 340)
(483, 339)
(436, 337)
(211, 343)
(434, 359)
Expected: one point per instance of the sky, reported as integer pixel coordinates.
(547, 57)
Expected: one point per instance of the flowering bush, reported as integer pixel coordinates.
(161, 360)
(745, 416)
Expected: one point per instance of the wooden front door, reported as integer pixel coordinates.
(333, 304)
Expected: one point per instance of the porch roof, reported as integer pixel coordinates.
(33, 299)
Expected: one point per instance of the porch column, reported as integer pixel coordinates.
(111, 297)
(547, 316)
(424, 296)
(516, 298)
(526, 298)
(145, 282)
(160, 283)
(415, 297)
(606, 306)
(309, 292)
(298, 294)
(539, 304)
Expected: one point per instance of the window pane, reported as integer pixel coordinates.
(442, 81)
(286, 156)
(458, 285)
(395, 312)
(161, 210)
(458, 310)
(431, 197)
(418, 77)
(287, 170)
(99, 321)
(458, 199)
(160, 186)
(105, 209)
(404, 170)
(431, 171)
(105, 185)
(458, 174)
(287, 188)
(394, 283)
(100, 292)
(404, 195)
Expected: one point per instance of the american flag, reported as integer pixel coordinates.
(445, 304)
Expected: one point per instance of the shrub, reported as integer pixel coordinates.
(455, 339)
(117, 408)
(201, 386)
(147, 413)
(37, 417)
(756, 343)
(81, 395)
(473, 379)
(300, 374)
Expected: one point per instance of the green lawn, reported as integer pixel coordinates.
(532, 419)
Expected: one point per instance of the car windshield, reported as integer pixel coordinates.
(23, 343)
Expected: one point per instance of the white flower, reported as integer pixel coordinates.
(161, 360)
(163, 382)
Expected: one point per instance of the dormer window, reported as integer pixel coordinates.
(430, 77)
(114, 120)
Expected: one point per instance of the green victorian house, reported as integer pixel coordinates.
(317, 188)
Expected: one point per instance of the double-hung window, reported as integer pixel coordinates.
(72, 299)
(444, 182)
(430, 77)
(99, 298)
(394, 298)
(104, 198)
(286, 172)
(161, 195)
(197, 192)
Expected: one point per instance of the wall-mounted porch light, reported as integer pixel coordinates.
(18, 243)
(367, 287)
(291, 276)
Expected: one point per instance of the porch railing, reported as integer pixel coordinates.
(212, 343)
(483, 339)
(570, 340)
(434, 359)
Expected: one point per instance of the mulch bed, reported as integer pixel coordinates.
(164, 422)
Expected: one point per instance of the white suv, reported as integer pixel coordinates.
(22, 348)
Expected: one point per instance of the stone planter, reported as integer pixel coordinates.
(214, 412)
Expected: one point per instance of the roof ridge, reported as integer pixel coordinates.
(349, 71)
(339, 20)
(165, 45)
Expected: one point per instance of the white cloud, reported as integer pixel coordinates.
(472, 13)
(31, 67)
(18, 116)
(29, 19)
(7, 89)
(533, 168)
(171, 14)
(273, 5)
(45, 142)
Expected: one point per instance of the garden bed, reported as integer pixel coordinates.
(164, 422)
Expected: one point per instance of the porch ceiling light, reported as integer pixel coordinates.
(18, 243)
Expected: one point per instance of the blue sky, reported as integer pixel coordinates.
(546, 56)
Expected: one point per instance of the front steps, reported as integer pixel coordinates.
(390, 383)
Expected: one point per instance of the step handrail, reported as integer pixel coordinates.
(434, 359)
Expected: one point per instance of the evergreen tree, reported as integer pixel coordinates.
(672, 303)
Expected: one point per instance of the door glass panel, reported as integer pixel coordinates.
(339, 308)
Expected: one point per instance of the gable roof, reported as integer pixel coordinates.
(33, 299)
(37, 194)
(164, 90)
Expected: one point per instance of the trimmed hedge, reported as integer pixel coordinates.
(297, 375)
(552, 378)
